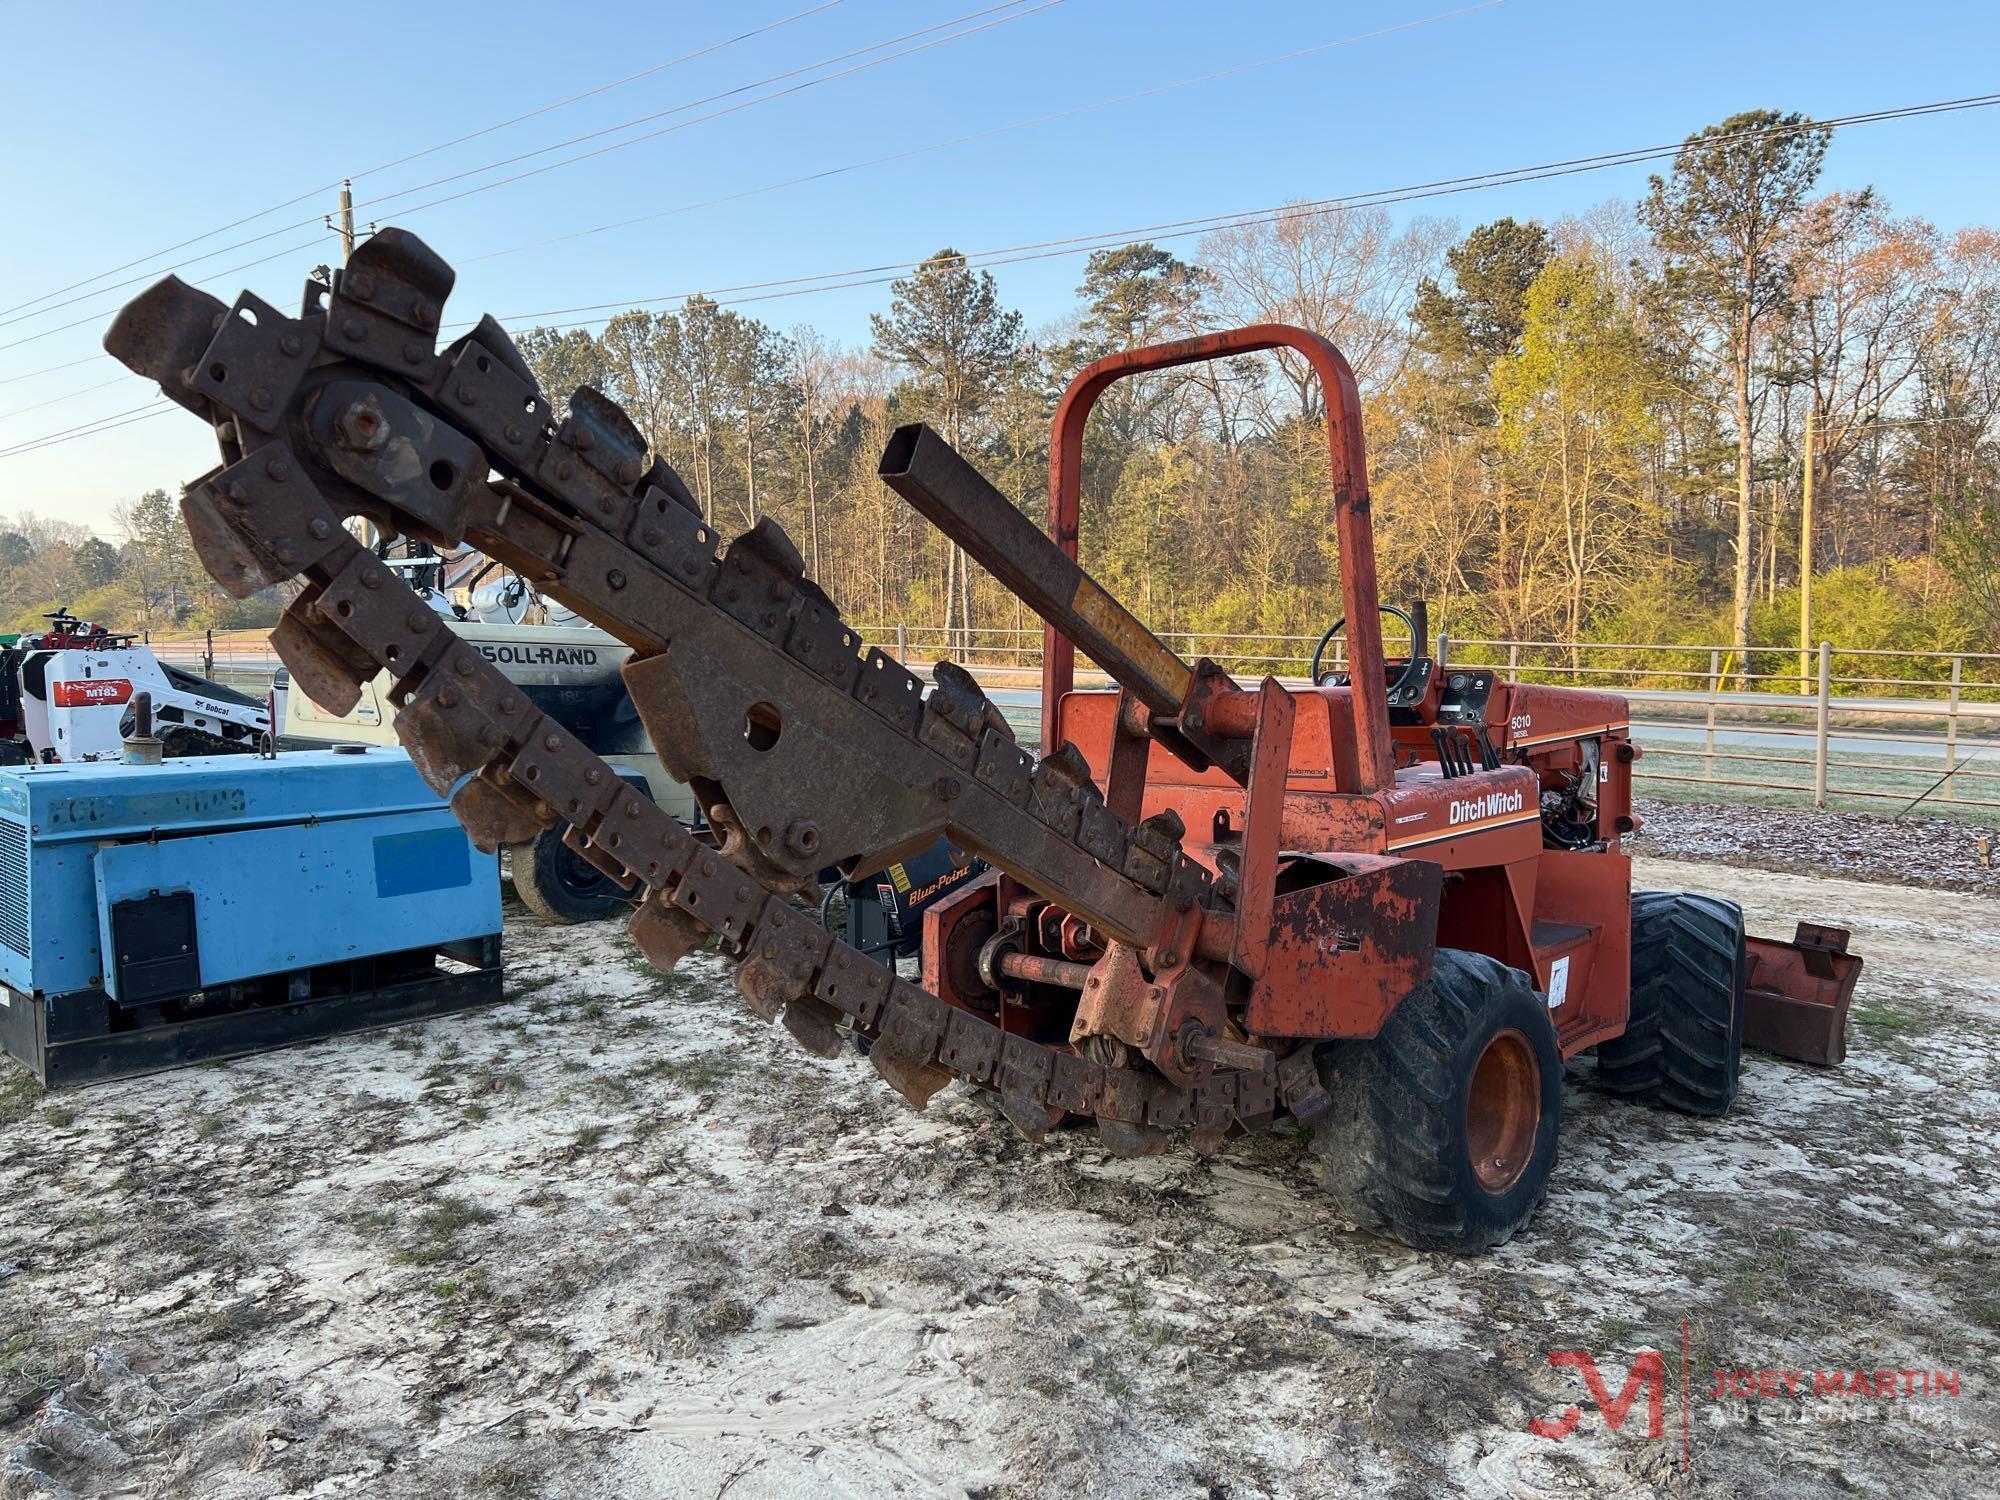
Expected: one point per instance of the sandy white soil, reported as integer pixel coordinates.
(616, 1238)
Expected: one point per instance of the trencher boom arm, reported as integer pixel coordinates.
(806, 750)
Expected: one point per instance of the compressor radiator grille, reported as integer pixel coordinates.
(14, 885)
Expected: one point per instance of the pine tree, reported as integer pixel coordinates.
(1719, 221)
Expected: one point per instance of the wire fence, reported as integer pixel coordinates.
(1890, 730)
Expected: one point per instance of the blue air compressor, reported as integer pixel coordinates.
(154, 915)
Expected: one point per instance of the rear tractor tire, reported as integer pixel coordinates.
(558, 884)
(1444, 1124)
(1683, 1041)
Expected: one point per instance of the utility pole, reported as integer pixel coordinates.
(1806, 547)
(346, 222)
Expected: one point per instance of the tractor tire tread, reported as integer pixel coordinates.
(1392, 1152)
(538, 881)
(1683, 1040)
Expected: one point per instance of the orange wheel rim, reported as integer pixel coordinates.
(1502, 1110)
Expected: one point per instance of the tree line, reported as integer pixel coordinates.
(150, 581)
(1594, 429)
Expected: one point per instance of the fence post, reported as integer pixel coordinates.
(1825, 705)
(1708, 739)
(208, 653)
(902, 644)
(1951, 731)
(1513, 661)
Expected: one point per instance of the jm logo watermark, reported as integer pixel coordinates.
(1646, 1376)
(1648, 1373)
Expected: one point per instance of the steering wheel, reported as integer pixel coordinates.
(1411, 668)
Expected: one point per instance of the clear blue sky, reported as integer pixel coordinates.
(132, 126)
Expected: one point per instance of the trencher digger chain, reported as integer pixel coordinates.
(351, 409)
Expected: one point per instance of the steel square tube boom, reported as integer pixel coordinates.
(955, 497)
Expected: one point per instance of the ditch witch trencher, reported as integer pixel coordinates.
(1389, 904)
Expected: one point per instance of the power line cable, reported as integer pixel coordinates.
(826, 62)
(88, 429)
(404, 160)
(93, 318)
(1045, 118)
(317, 220)
(143, 416)
(1182, 228)
(829, 281)
(52, 369)
(995, 130)
(22, 411)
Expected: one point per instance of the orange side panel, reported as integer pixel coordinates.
(1343, 954)
(1588, 890)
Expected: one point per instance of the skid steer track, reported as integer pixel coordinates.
(807, 749)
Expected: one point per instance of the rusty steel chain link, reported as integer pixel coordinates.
(352, 409)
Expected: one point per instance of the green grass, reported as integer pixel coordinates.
(474, 1283)
(1888, 1020)
(521, 989)
(1776, 784)
(19, 1093)
(699, 1074)
(438, 1226)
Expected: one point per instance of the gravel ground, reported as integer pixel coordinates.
(1933, 852)
(614, 1239)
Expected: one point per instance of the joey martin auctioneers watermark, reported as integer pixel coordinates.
(1807, 1395)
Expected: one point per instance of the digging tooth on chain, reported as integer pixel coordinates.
(814, 1025)
(1030, 1114)
(495, 813)
(918, 1082)
(666, 933)
(779, 966)
(235, 566)
(162, 334)
(325, 665)
(577, 508)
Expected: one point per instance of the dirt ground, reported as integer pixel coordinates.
(615, 1238)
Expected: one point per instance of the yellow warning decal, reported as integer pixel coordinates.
(1111, 620)
(900, 879)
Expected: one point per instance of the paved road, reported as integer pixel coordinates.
(1023, 703)
(1023, 707)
